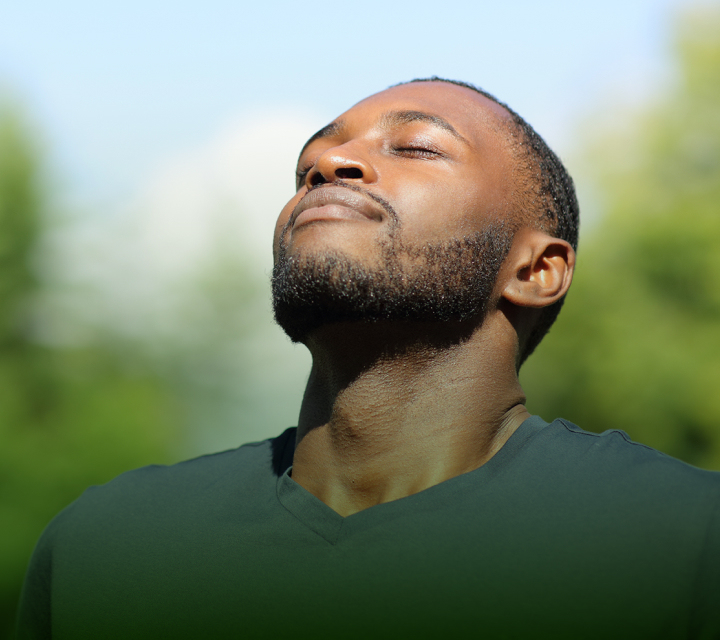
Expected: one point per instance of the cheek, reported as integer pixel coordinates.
(443, 210)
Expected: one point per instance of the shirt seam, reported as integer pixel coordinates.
(622, 434)
(300, 520)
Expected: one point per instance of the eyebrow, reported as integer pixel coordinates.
(395, 118)
(388, 120)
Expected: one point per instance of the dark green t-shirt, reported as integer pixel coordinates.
(562, 534)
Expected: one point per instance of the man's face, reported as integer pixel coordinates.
(390, 186)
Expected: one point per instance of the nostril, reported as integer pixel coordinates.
(317, 179)
(348, 173)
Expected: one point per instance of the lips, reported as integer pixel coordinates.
(335, 203)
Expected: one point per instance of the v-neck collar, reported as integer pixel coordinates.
(331, 526)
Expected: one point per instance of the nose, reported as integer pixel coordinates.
(341, 163)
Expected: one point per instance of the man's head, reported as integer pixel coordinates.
(407, 206)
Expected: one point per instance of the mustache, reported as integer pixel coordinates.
(386, 206)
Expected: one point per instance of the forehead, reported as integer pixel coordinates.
(473, 115)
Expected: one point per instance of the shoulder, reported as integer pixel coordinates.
(616, 444)
(613, 464)
(670, 507)
(191, 488)
(143, 515)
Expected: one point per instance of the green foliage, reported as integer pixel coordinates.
(69, 417)
(19, 221)
(637, 346)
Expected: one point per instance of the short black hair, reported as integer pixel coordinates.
(552, 200)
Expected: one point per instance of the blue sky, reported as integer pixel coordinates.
(115, 87)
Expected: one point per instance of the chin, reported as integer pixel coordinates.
(452, 281)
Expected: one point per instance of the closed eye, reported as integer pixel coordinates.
(417, 152)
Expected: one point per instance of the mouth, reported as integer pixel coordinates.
(335, 202)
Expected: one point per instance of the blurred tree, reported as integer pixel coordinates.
(69, 417)
(638, 345)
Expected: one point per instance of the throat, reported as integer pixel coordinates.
(402, 424)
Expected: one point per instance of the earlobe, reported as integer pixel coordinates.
(539, 269)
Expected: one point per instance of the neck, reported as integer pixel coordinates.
(391, 410)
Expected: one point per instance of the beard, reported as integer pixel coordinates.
(451, 281)
(443, 282)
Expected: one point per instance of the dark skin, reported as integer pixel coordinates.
(391, 409)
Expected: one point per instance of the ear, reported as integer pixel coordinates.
(538, 269)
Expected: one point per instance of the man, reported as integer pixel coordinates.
(428, 248)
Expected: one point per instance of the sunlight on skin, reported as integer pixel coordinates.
(375, 428)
